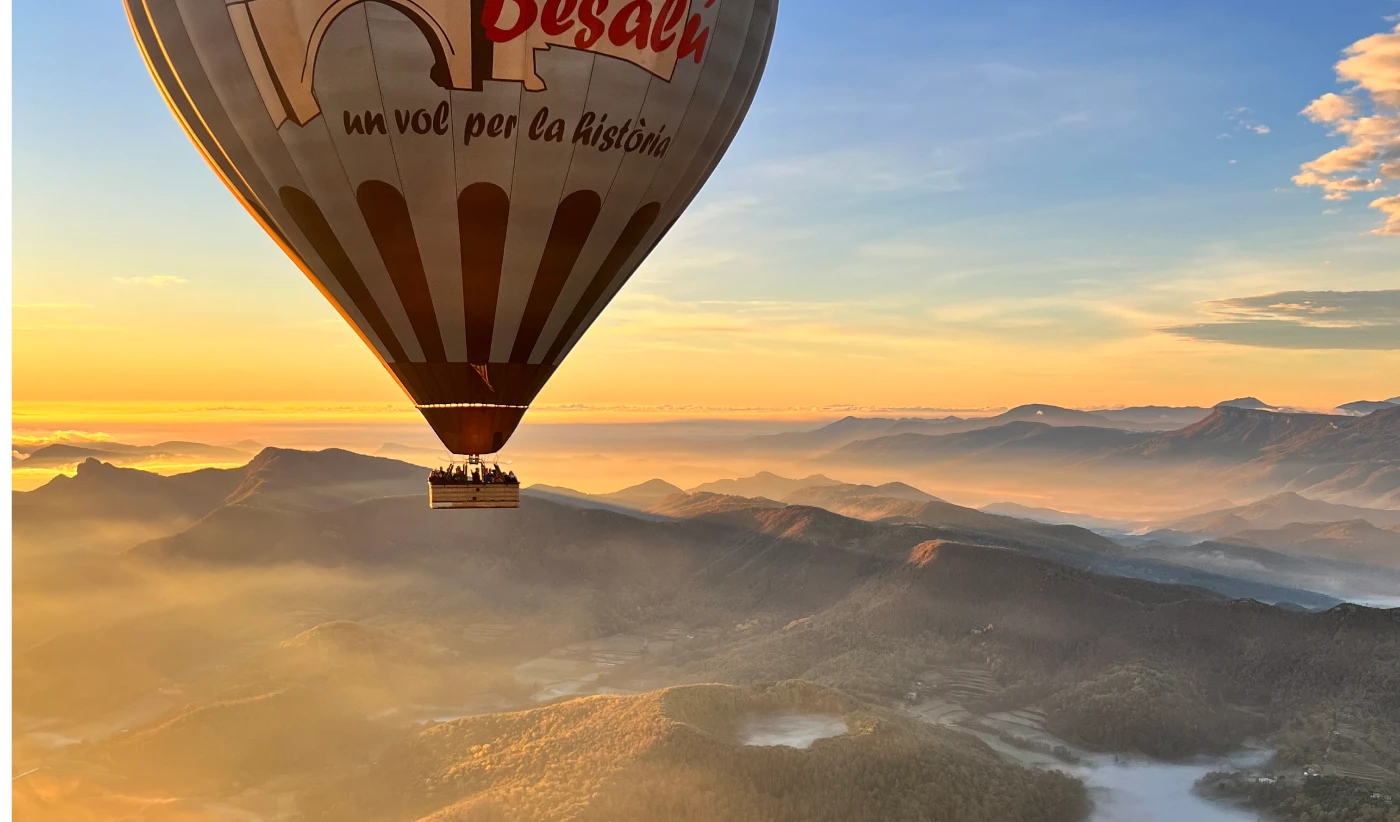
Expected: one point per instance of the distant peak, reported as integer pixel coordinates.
(92, 464)
(1249, 403)
(656, 485)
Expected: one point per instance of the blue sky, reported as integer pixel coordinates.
(1004, 198)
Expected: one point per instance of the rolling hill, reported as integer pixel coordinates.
(852, 429)
(1233, 452)
(763, 484)
(1250, 403)
(103, 506)
(679, 754)
(1276, 511)
(1067, 637)
(1355, 541)
(1361, 408)
(1160, 417)
(1054, 517)
(1312, 571)
(1233, 434)
(221, 744)
(287, 480)
(1021, 440)
(63, 454)
(685, 530)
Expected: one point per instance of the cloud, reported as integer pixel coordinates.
(1390, 207)
(156, 281)
(1373, 63)
(1345, 320)
(1329, 108)
(1243, 121)
(1368, 117)
(1347, 158)
(28, 439)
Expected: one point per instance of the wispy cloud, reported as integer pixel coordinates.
(1358, 320)
(155, 281)
(1243, 120)
(26, 440)
(1367, 115)
(53, 306)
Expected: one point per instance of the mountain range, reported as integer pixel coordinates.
(334, 506)
(852, 429)
(63, 454)
(101, 504)
(283, 643)
(1344, 459)
(1276, 511)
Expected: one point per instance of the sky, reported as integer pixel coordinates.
(932, 205)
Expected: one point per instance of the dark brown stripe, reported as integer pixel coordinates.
(573, 221)
(327, 246)
(483, 212)
(483, 50)
(446, 383)
(391, 226)
(622, 251)
(474, 430)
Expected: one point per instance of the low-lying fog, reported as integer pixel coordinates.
(1141, 790)
(795, 730)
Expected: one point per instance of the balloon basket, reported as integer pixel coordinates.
(447, 497)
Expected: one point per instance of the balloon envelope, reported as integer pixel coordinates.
(469, 182)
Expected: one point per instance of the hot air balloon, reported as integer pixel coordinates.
(469, 182)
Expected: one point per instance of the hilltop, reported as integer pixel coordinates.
(679, 754)
(1363, 407)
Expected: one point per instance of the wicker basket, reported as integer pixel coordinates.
(474, 496)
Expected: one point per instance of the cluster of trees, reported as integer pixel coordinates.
(1120, 664)
(1312, 799)
(675, 755)
(1142, 707)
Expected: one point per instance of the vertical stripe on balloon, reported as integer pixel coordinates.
(327, 246)
(483, 212)
(391, 227)
(483, 51)
(573, 221)
(622, 251)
